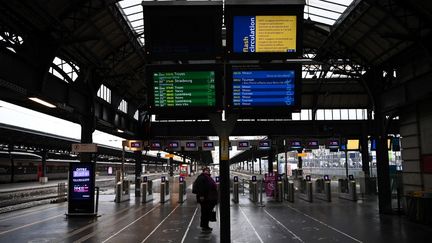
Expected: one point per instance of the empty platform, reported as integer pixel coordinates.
(131, 221)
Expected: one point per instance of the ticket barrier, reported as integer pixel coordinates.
(323, 189)
(164, 190)
(279, 191)
(289, 191)
(347, 188)
(235, 190)
(253, 191)
(306, 189)
(122, 191)
(182, 189)
(146, 190)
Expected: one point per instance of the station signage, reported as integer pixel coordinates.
(81, 185)
(208, 145)
(84, 148)
(264, 144)
(243, 145)
(190, 146)
(173, 145)
(155, 145)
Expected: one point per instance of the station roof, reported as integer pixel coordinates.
(104, 38)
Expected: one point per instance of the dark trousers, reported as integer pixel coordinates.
(206, 209)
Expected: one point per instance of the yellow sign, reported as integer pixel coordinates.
(276, 33)
(224, 149)
(169, 155)
(302, 154)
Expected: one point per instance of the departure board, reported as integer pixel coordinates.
(264, 34)
(263, 88)
(184, 89)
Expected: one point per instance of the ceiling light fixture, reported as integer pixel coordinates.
(42, 102)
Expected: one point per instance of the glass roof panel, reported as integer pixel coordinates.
(322, 11)
(325, 11)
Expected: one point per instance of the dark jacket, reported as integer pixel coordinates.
(206, 187)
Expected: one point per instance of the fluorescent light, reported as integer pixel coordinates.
(42, 102)
(120, 131)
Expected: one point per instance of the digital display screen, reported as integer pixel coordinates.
(313, 144)
(264, 34)
(191, 145)
(136, 144)
(173, 145)
(155, 146)
(81, 181)
(184, 88)
(263, 88)
(180, 29)
(333, 144)
(208, 145)
(266, 144)
(296, 144)
(243, 145)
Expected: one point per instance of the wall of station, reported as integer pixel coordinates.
(416, 130)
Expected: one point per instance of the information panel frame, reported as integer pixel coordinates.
(81, 192)
(177, 112)
(199, 21)
(263, 111)
(235, 9)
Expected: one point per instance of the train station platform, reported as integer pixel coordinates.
(132, 221)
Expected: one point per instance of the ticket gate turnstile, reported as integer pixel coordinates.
(146, 190)
(164, 191)
(253, 191)
(182, 189)
(306, 189)
(279, 191)
(290, 191)
(122, 191)
(347, 188)
(323, 189)
(235, 190)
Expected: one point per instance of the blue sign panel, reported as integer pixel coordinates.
(244, 38)
(264, 88)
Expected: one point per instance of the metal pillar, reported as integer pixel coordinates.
(138, 171)
(171, 169)
(260, 170)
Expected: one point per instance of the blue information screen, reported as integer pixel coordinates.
(263, 88)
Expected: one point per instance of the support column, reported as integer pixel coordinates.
(260, 169)
(384, 195)
(224, 186)
(365, 154)
(270, 161)
(138, 171)
(171, 167)
(224, 129)
(12, 162)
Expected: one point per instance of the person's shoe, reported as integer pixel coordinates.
(207, 229)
